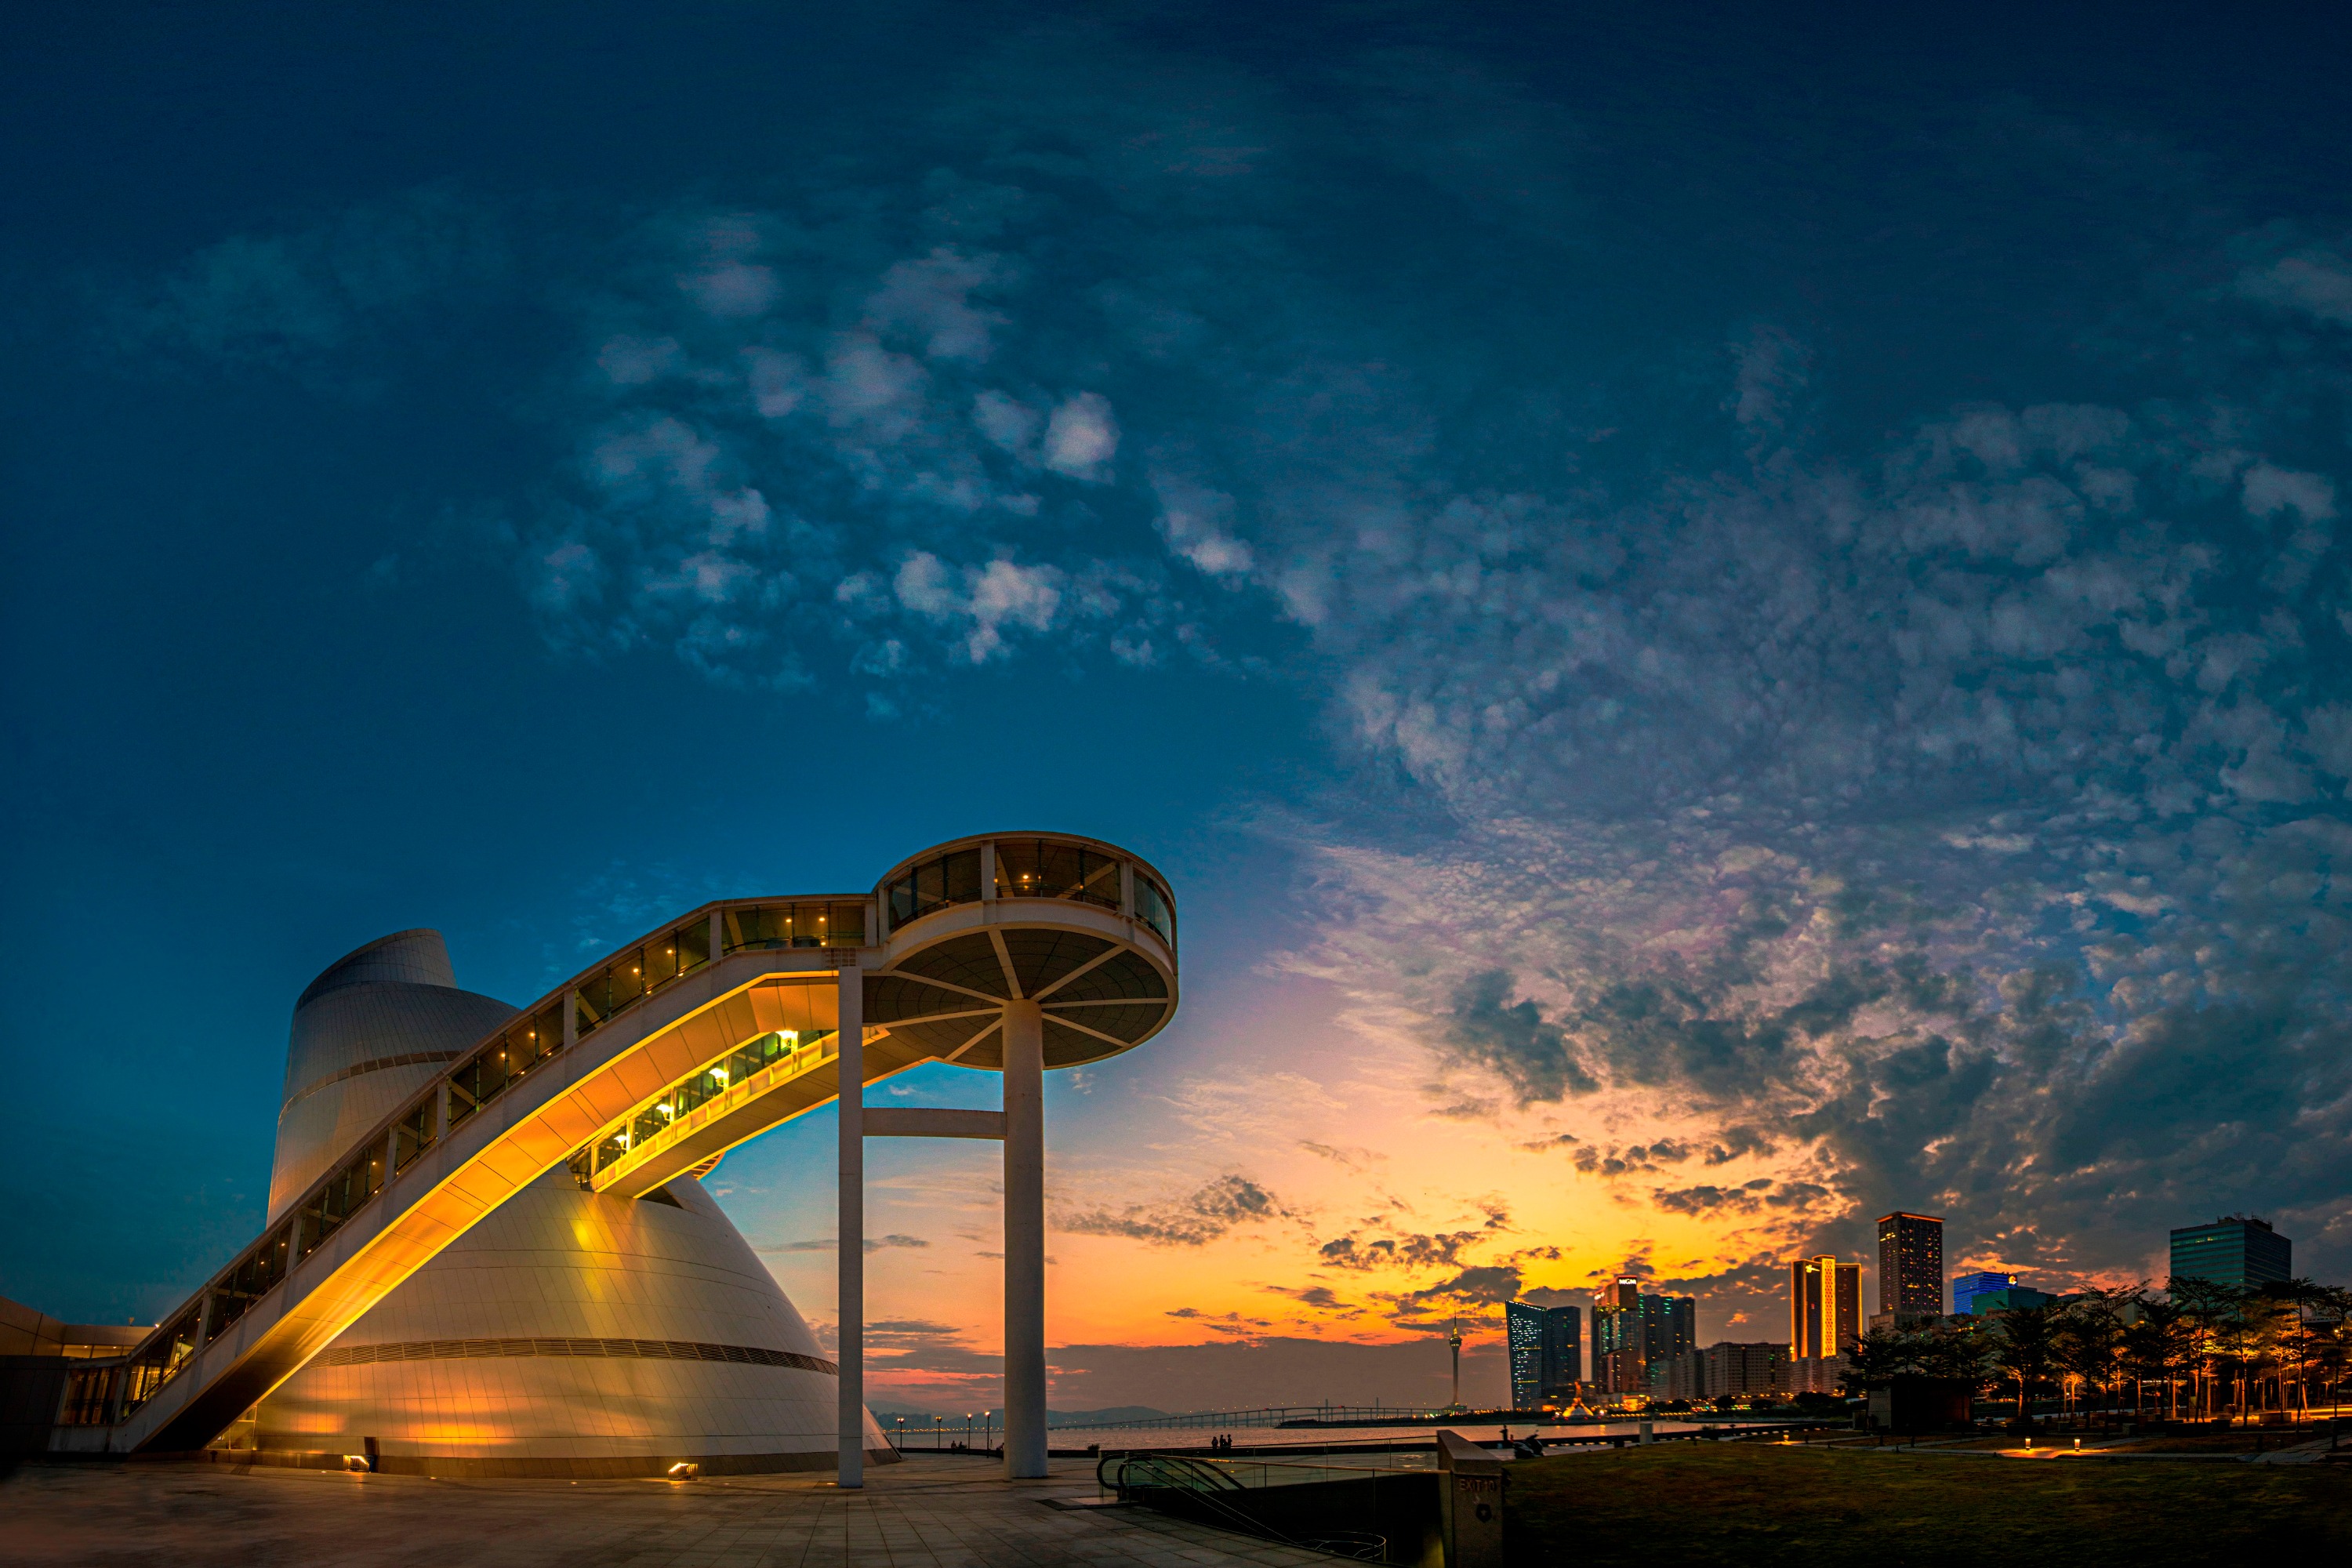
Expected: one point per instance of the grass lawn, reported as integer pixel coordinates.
(1756, 1505)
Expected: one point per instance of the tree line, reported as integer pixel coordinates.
(2198, 1349)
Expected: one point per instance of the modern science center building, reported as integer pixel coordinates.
(487, 1250)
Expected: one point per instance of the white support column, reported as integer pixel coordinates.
(851, 1021)
(1024, 1241)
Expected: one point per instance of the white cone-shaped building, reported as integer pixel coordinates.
(567, 1335)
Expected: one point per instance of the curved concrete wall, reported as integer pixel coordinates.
(568, 1334)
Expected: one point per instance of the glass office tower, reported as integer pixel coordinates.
(1547, 1350)
(2236, 1249)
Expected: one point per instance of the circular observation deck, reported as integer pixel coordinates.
(1083, 929)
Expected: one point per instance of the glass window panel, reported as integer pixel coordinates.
(414, 1136)
(1042, 868)
(661, 961)
(1153, 909)
(962, 876)
(846, 925)
(628, 981)
(587, 1002)
(692, 941)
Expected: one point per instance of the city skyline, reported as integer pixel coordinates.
(1691, 697)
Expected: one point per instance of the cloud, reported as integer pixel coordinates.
(326, 303)
(2318, 283)
(1197, 1218)
(833, 1244)
(1514, 1040)
(1082, 437)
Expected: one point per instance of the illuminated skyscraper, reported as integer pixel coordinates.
(1633, 1332)
(1547, 1350)
(1824, 1308)
(1619, 1363)
(1911, 1263)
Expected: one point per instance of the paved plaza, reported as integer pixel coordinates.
(943, 1510)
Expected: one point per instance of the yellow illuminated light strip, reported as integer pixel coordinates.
(798, 1062)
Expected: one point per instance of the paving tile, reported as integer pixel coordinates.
(928, 1513)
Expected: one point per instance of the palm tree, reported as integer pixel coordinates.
(1878, 1357)
(2215, 1325)
(1962, 1352)
(2330, 1310)
(2152, 1346)
(2027, 1349)
(2090, 1332)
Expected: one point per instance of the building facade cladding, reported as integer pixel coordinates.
(1824, 1308)
(567, 1333)
(2236, 1249)
(1911, 1263)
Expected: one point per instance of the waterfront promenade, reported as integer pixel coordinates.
(935, 1512)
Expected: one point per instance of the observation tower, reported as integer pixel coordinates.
(487, 1251)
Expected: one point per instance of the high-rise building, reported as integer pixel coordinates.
(1682, 1376)
(1966, 1289)
(2236, 1249)
(1824, 1308)
(1563, 1360)
(1620, 1363)
(1634, 1333)
(1745, 1368)
(1547, 1350)
(1911, 1263)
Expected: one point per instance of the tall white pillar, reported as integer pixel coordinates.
(1024, 1241)
(851, 1022)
